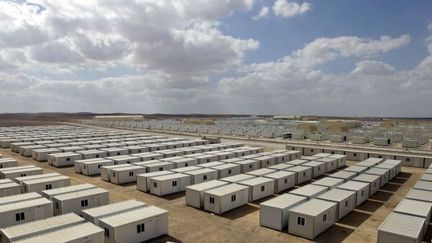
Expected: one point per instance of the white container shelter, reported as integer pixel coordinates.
(284, 180)
(346, 201)
(27, 151)
(226, 170)
(331, 163)
(79, 200)
(93, 215)
(85, 232)
(237, 178)
(115, 151)
(384, 174)
(63, 159)
(180, 162)
(24, 210)
(195, 193)
(105, 171)
(64, 190)
(266, 161)
(92, 167)
(19, 171)
(309, 191)
(169, 184)
(92, 154)
(42, 154)
(123, 159)
(259, 187)
(303, 173)
(415, 208)
(248, 165)
(225, 198)
(274, 212)
(125, 174)
(9, 188)
(147, 156)
(318, 168)
(328, 182)
(143, 180)
(342, 174)
(392, 169)
(401, 228)
(202, 175)
(398, 164)
(38, 227)
(360, 188)
(372, 180)
(137, 225)
(159, 166)
(7, 162)
(41, 184)
(311, 218)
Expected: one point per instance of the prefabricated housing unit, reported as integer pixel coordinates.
(226, 170)
(143, 180)
(159, 166)
(274, 212)
(22, 208)
(202, 175)
(91, 166)
(79, 200)
(266, 161)
(360, 188)
(92, 154)
(27, 151)
(125, 174)
(248, 165)
(225, 198)
(328, 182)
(372, 180)
(180, 162)
(331, 163)
(415, 208)
(392, 169)
(309, 191)
(41, 184)
(42, 154)
(38, 227)
(303, 173)
(9, 188)
(123, 159)
(137, 225)
(63, 159)
(169, 184)
(6, 162)
(85, 232)
(259, 187)
(63, 190)
(311, 218)
(283, 180)
(384, 174)
(346, 201)
(148, 156)
(19, 171)
(115, 151)
(318, 168)
(105, 171)
(399, 227)
(93, 215)
(195, 193)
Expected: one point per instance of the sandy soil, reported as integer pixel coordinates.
(188, 224)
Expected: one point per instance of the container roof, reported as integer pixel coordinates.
(207, 185)
(313, 207)
(353, 185)
(132, 216)
(114, 207)
(227, 189)
(420, 195)
(414, 207)
(404, 225)
(336, 195)
(284, 201)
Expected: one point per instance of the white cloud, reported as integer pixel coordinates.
(369, 67)
(262, 13)
(289, 8)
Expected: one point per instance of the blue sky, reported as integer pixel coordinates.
(308, 57)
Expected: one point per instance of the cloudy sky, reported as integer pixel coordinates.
(339, 57)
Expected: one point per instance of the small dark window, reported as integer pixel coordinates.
(67, 159)
(106, 232)
(324, 217)
(312, 150)
(407, 159)
(362, 193)
(211, 200)
(139, 150)
(160, 168)
(355, 155)
(19, 216)
(131, 173)
(57, 205)
(205, 177)
(97, 155)
(49, 186)
(332, 152)
(186, 164)
(154, 184)
(99, 166)
(250, 166)
(262, 188)
(140, 228)
(346, 203)
(84, 203)
(233, 198)
(301, 221)
(113, 174)
(229, 172)
(22, 175)
(208, 160)
(304, 173)
(174, 183)
(286, 180)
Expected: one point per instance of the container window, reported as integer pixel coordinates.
(211, 200)
(262, 188)
(160, 168)
(118, 153)
(346, 203)
(20, 216)
(49, 186)
(97, 155)
(324, 217)
(233, 198)
(355, 155)
(106, 232)
(186, 164)
(174, 183)
(140, 228)
(362, 193)
(301, 221)
(154, 184)
(229, 172)
(84, 203)
(113, 174)
(131, 173)
(67, 159)
(286, 180)
(205, 177)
